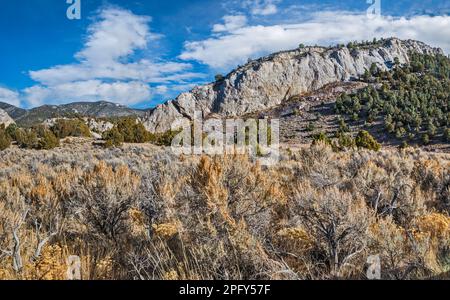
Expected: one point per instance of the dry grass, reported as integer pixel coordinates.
(142, 213)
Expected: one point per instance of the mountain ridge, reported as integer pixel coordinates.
(100, 109)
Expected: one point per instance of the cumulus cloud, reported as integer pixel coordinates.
(117, 33)
(144, 70)
(106, 62)
(231, 23)
(9, 96)
(127, 93)
(234, 47)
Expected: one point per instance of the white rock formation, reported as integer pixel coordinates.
(98, 126)
(52, 122)
(5, 119)
(269, 81)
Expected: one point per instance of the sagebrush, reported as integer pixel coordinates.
(141, 213)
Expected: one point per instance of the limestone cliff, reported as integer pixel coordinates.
(5, 119)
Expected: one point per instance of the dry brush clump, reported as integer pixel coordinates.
(139, 212)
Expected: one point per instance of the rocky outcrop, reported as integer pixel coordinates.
(5, 119)
(269, 81)
(98, 126)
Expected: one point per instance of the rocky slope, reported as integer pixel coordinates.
(5, 119)
(13, 111)
(272, 80)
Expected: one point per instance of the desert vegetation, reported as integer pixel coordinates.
(5, 139)
(37, 138)
(70, 127)
(344, 141)
(48, 136)
(139, 212)
(131, 130)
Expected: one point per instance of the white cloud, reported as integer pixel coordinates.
(161, 89)
(117, 33)
(126, 93)
(270, 9)
(231, 23)
(9, 96)
(262, 7)
(234, 47)
(107, 56)
(115, 36)
(144, 70)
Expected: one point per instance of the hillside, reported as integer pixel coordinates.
(272, 80)
(407, 105)
(13, 111)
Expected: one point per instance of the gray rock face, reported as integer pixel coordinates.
(98, 126)
(5, 119)
(269, 81)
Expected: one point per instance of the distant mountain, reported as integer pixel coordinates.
(38, 115)
(12, 111)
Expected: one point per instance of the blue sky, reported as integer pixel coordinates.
(141, 53)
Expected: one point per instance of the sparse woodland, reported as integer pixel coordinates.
(138, 212)
(412, 101)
